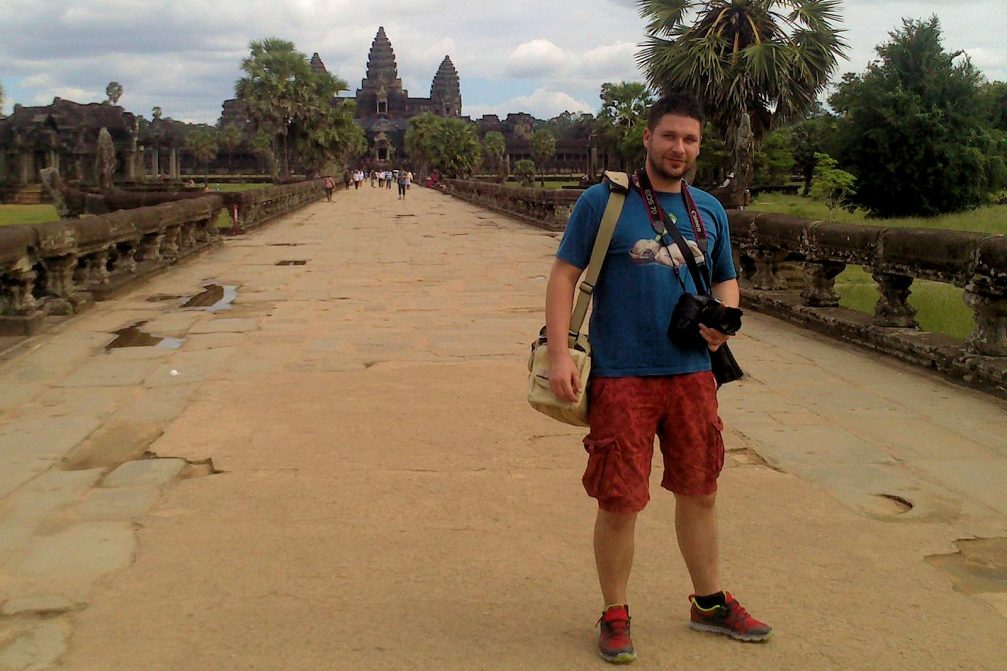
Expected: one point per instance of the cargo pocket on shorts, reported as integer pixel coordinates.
(716, 443)
(605, 476)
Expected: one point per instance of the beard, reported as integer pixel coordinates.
(670, 175)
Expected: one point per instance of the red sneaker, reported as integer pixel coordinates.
(732, 620)
(614, 643)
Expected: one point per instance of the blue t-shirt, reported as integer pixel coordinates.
(640, 283)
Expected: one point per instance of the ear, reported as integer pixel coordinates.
(647, 134)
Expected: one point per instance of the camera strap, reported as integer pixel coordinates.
(663, 224)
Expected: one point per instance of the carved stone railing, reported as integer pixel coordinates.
(56, 268)
(545, 208)
(789, 265)
(249, 209)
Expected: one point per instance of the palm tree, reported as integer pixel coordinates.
(623, 109)
(114, 92)
(494, 148)
(273, 87)
(768, 58)
(543, 148)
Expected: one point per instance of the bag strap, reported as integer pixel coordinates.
(618, 186)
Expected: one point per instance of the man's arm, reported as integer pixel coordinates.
(564, 377)
(729, 293)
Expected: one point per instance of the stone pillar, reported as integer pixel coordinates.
(150, 247)
(893, 308)
(173, 172)
(767, 265)
(155, 163)
(990, 335)
(19, 299)
(26, 167)
(820, 291)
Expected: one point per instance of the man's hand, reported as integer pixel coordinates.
(564, 377)
(714, 338)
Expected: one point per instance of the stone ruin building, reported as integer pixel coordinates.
(64, 135)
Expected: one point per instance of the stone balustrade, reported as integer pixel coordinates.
(770, 247)
(545, 208)
(249, 209)
(56, 268)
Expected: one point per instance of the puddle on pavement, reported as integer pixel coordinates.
(213, 298)
(292, 262)
(979, 566)
(285, 244)
(134, 336)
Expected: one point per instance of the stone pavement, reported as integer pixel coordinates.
(337, 470)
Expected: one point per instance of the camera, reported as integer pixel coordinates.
(693, 310)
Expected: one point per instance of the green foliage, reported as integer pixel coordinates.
(524, 170)
(909, 128)
(114, 92)
(156, 113)
(993, 104)
(448, 145)
(543, 148)
(811, 136)
(714, 160)
(774, 161)
(293, 103)
(832, 185)
(203, 144)
(570, 125)
(494, 150)
(1, 99)
(770, 58)
(622, 119)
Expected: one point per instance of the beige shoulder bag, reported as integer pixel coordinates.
(540, 394)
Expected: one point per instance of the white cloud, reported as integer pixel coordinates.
(542, 104)
(537, 58)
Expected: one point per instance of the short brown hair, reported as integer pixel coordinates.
(679, 104)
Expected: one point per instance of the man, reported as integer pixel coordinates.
(643, 384)
(403, 180)
(330, 186)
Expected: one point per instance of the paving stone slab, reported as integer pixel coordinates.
(226, 326)
(33, 646)
(108, 372)
(118, 503)
(69, 562)
(31, 446)
(160, 404)
(39, 605)
(155, 472)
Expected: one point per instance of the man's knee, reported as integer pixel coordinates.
(704, 502)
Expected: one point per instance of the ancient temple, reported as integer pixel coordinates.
(384, 107)
(64, 135)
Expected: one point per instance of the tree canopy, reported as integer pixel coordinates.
(909, 128)
(769, 58)
(448, 145)
(114, 92)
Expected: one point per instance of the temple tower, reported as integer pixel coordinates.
(316, 63)
(445, 92)
(380, 93)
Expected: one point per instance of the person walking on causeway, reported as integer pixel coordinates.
(642, 383)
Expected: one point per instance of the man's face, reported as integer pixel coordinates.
(673, 146)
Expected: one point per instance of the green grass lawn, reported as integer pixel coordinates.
(27, 214)
(939, 306)
(989, 219)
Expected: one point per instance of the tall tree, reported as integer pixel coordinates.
(768, 58)
(420, 140)
(909, 128)
(543, 148)
(622, 117)
(114, 92)
(456, 151)
(202, 144)
(156, 113)
(494, 150)
(229, 138)
(274, 87)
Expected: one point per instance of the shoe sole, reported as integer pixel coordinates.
(621, 658)
(747, 638)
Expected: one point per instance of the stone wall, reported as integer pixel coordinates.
(545, 208)
(789, 265)
(59, 267)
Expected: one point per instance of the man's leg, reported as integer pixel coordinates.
(696, 528)
(614, 535)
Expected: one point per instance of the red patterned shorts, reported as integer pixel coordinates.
(627, 413)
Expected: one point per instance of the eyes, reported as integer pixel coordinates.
(674, 137)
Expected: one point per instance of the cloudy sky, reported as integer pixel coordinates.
(535, 56)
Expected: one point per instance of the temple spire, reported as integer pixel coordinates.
(445, 92)
(381, 60)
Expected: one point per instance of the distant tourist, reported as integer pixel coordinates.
(330, 186)
(374, 178)
(358, 178)
(403, 180)
(346, 178)
(388, 179)
(409, 178)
